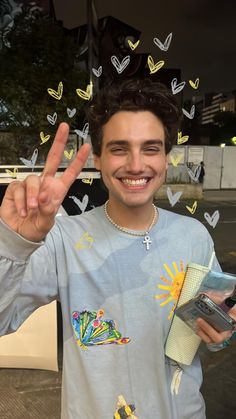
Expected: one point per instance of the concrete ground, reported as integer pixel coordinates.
(220, 195)
(28, 394)
(35, 394)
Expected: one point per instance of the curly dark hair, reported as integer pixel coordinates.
(133, 95)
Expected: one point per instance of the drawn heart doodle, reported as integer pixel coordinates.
(120, 66)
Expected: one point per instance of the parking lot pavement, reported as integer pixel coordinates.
(219, 382)
(30, 394)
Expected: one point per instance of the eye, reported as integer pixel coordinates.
(151, 150)
(118, 150)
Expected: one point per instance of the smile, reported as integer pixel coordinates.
(135, 182)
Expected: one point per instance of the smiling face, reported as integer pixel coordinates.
(133, 162)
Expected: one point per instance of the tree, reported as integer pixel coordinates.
(40, 56)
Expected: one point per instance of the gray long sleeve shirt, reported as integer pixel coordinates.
(116, 299)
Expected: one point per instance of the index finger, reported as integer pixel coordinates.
(56, 151)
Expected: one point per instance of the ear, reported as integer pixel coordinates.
(97, 162)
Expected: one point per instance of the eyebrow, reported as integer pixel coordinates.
(126, 143)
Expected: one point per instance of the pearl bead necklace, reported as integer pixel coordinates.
(147, 240)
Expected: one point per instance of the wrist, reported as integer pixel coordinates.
(13, 246)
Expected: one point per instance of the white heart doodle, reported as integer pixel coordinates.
(81, 204)
(190, 114)
(165, 46)
(31, 162)
(173, 198)
(120, 66)
(212, 219)
(52, 119)
(194, 175)
(84, 132)
(175, 87)
(71, 112)
(97, 72)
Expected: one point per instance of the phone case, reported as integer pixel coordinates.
(202, 306)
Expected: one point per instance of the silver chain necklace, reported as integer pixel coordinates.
(147, 239)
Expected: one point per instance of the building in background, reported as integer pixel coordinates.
(215, 103)
(214, 122)
(211, 108)
(228, 105)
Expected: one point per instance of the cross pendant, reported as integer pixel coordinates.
(147, 241)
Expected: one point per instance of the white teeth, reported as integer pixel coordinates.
(134, 182)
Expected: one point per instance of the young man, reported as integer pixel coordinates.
(109, 266)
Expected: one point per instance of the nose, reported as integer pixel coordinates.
(135, 162)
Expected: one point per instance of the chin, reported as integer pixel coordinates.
(136, 202)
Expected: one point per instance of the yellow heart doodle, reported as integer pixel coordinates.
(194, 84)
(85, 242)
(154, 67)
(85, 94)
(12, 173)
(68, 154)
(181, 139)
(88, 180)
(133, 46)
(44, 138)
(175, 160)
(56, 94)
(193, 208)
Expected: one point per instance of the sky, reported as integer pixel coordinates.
(203, 43)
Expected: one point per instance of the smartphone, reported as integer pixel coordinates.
(202, 306)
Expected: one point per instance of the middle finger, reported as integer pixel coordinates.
(72, 171)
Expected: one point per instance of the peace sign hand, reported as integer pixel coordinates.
(29, 207)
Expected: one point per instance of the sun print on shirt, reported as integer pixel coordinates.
(173, 286)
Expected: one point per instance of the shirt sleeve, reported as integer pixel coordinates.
(28, 277)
